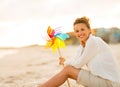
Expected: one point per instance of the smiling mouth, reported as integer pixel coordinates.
(81, 36)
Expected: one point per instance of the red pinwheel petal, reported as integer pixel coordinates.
(50, 32)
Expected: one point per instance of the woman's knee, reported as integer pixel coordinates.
(71, 71)
(66, 70)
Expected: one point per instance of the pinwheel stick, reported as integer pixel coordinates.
(59, 52)
(63, 65)
(55, 40)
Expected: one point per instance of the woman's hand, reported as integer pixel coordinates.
(61, 60)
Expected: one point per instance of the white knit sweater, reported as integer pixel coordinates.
(99, 59)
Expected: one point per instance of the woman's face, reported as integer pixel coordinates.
(82, 32)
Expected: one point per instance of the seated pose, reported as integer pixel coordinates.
(95, 54)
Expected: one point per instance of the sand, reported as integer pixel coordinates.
(30, 66)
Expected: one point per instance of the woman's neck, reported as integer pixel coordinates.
(82, 43)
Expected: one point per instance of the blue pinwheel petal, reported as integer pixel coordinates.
(62, 36)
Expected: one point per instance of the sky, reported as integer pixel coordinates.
(24, 22)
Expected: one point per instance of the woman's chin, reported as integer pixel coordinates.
(82, 39)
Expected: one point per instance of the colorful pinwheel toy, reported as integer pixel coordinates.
(55, 38)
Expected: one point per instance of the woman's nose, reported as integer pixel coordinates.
(79, 33)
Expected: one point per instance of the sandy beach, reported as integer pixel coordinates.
(29, 66)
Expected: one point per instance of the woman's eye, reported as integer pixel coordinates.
(82, 29)
(76, 31)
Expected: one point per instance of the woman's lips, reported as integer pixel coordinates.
(81, 36)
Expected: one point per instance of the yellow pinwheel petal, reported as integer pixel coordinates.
(61, 43)
(54, 47)
(58, 43)
(48, 44)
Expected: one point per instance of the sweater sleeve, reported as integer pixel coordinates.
(79, 51)
(88, 53)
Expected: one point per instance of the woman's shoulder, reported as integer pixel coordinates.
(91, 40)
(93, 37)
(99, 41)
(94, 40)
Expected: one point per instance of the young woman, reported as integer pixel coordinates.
(95, 54)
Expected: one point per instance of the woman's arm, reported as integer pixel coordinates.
(89, 52)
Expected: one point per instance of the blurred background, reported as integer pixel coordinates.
(24, 62)
(22, 22)
(109, 35)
